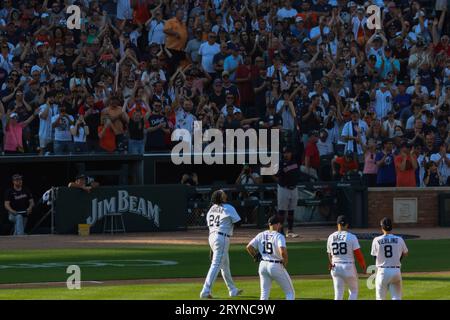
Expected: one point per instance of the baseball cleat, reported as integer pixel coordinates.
(238, 293)
(206, 296)
(291, 234)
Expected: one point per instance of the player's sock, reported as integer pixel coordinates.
(290, 219)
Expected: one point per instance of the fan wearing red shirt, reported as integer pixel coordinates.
(244, 83)
(347, 164)
(106, 135)
(311, 160)
(442, 46)
(405, 167)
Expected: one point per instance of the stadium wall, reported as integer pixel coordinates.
(419, 204)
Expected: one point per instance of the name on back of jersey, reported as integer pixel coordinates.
(387, 240)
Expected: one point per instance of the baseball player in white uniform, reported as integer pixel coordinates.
(269, 247)
(220, 219)
(342, 248)
(388, 251)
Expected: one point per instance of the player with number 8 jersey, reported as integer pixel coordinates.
(342, 248)
(220, 219)
(388, 250)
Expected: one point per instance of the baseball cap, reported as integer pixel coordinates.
(273, 220)
(351, 4)
(287, 149)
(45, 15)
(80, 176)
(217, 81)
(232, 46)
(314, 133)
(14, 115)
(306, 40)
(342, 220)
(386, 224)
(225, 73)
(17, 176)
(405, 144)
(299, 19)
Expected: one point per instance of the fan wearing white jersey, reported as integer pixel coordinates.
(342, 248)
(269, 249)
(220, 219)
(388, 250)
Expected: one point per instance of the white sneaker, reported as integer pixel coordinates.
(238, 293)
(291, 234)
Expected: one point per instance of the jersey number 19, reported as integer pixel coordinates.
(267, 247)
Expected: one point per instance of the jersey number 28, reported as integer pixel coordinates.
(267, 247)
(339, 248)
(214, 220)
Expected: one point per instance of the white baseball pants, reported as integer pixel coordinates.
(345, 274)
(388, 279)
(220, 262)
(269, 271)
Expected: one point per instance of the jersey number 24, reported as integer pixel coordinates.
(214, 220)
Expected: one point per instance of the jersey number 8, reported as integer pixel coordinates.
(267, 247)
(339, 248)
(214, 220)
(388, 251)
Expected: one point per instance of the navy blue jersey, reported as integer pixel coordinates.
(289, 174)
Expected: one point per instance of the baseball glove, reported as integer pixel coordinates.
(257, 257)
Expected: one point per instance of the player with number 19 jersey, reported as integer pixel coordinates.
(271, 245)
(268, 244)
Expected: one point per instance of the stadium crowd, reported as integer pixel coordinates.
(138, 69)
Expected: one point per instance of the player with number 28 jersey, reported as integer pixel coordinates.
(342, 247)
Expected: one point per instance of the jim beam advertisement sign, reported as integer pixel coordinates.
(124, 203)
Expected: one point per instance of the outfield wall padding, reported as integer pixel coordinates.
(144, 208)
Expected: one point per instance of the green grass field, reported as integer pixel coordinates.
(188, 261)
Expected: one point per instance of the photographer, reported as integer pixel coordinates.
(61, 123)
(432, 178)
(248, 177)
(80, 131)
(19, 203)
